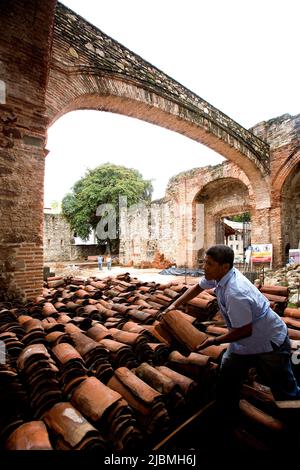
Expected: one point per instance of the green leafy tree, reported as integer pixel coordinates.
(245, 217)
(102, 185)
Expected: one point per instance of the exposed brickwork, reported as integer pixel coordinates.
(177, 228)
(89, 70)
(144, 233)
(283, 136)
(185, 186)
(226, 190)
(24, 50)
(291, 209)
(21, 276)
(58, 241)
(280, 131)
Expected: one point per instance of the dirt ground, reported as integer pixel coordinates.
(90, 270)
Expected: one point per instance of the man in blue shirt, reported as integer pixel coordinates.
(257, 335)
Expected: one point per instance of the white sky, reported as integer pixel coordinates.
(240, 56)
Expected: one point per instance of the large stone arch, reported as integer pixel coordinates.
(89, 70)
(282, 134)
(220, 198)
(284, 173)
(185, 188)
(290, 207)
(285, 170)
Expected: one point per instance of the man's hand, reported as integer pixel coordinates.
(208, 342)
(166, 310)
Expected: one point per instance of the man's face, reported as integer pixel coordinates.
(213, 270)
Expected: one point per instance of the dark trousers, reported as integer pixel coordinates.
(273, 367)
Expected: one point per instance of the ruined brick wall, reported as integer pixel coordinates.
(148, 230)
(183, 224)
(57, 238)
(25, 39)
(186, 185)
(58, 241)
(279, 131)
(283, 136)
(226, 190)
(90, 70)
(291, 209)
(222, 190)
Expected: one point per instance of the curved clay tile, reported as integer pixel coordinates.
(68, 424)
(64, 352)
(38, 350)
(156, 379)
(48, 309)
(29, 436)
(93, 398)
(98, 332)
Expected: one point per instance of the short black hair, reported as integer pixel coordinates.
(222, 254)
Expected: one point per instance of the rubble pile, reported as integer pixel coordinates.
(288, 276)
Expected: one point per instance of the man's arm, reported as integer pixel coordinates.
(188, 295)
(233, 335)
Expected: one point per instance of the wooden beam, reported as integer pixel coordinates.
(184, 425)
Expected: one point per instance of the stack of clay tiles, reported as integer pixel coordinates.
(278, 297)
(88, 368)
(291, 316)
(92, 364)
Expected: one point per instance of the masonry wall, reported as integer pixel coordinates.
(291, 210)
(225, 190)
(183, 224)
(115, 80)
(57, 238)
(25, 40)
(148, 231)
(283, 136)
(58, 241)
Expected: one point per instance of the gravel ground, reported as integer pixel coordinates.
(87, 270)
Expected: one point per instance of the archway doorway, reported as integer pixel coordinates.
(290, 196)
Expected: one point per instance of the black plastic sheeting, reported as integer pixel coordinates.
(183, 272)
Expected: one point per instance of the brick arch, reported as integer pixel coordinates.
(213, 189)
(225, 171)
(229, 195)
(285, 171)
(89, 70)
(220, 197)
(290, 209)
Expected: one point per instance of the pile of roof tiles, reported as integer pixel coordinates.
(90, 366)
(278, 297)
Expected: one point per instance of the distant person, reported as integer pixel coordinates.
(100, 262)
(108, 262)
